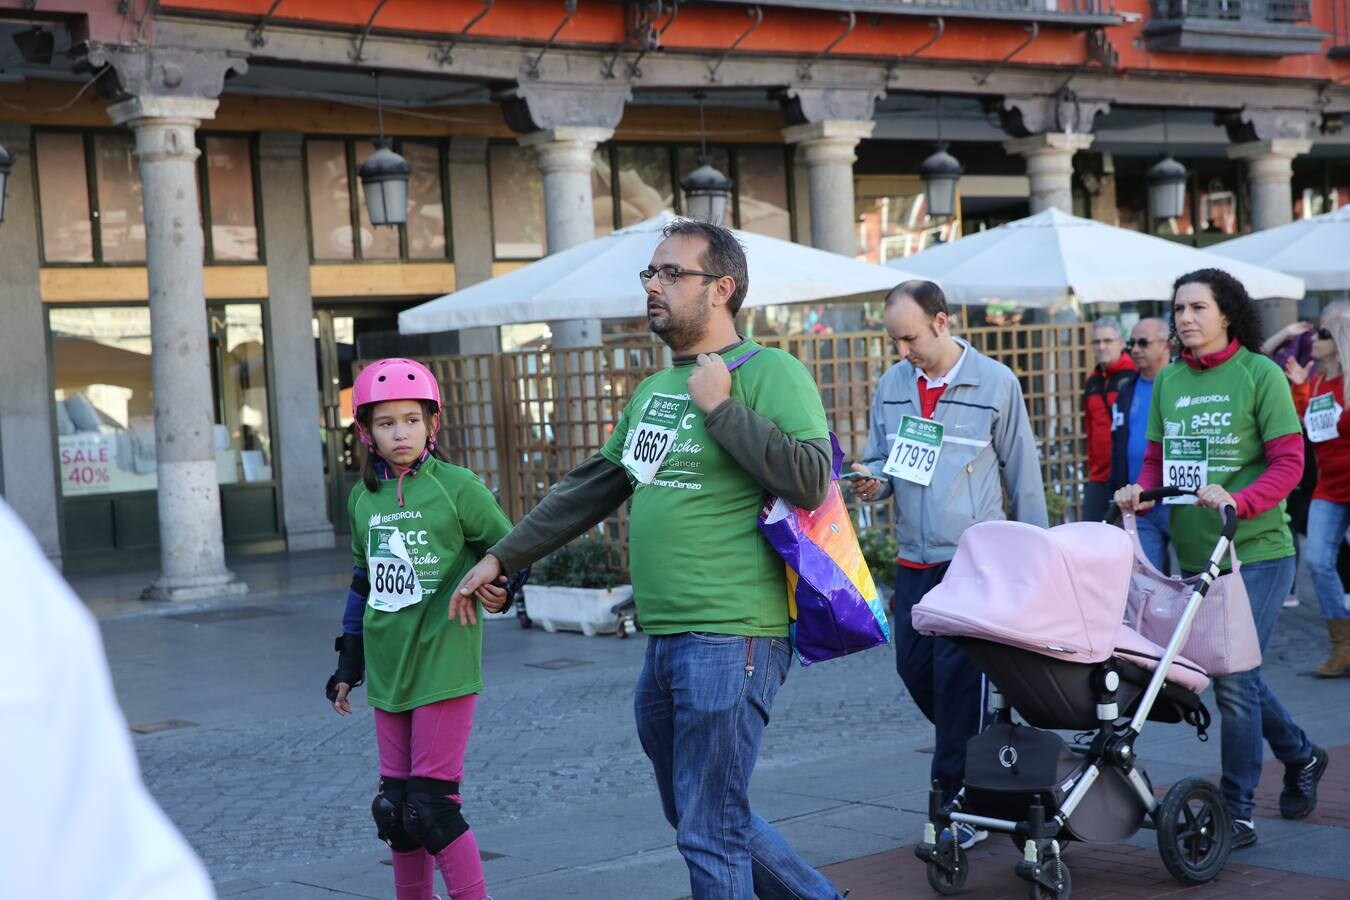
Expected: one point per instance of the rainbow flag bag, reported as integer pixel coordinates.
(832, 598)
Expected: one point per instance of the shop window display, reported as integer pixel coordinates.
(104, 398)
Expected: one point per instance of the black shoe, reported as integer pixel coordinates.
(1299, 796)
(1244, 833)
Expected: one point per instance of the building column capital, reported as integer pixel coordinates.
(810, 104)
(136, 70)
(1050, 143)
(1269, 154)
(568, 148)
(831, 142)
(532, 106)
(1061, 112)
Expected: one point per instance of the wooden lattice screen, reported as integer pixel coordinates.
(503, 418)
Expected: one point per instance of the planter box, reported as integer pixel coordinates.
(588, 610)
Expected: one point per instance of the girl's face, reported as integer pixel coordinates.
(1200, 326)
(400, 430)
(1324, 348)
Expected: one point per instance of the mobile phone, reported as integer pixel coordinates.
(856, 476)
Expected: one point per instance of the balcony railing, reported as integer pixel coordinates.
(1248, 27)
(1050, 12)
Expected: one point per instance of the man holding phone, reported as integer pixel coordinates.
(948, 437)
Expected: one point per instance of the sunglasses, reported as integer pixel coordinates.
(1324, 334)
(1142, 343)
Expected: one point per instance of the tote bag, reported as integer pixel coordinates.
(1223, 636)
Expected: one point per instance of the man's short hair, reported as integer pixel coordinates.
(724, 255)
(1111, 322)
(925, 293)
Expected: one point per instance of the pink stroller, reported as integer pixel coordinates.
(1041, 612)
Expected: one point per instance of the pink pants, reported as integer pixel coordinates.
(429, 742)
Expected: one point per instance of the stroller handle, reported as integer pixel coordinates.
(1229, 513)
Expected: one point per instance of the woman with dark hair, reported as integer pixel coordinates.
(1222, 421)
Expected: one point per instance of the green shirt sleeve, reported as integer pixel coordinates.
(480, 517)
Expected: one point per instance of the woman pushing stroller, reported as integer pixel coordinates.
(1243, 448)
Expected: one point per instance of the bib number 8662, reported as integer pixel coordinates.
(393, 578)
(649, 446)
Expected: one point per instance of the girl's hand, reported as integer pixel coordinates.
(342, 706)
(1127, 498)
(1211, 496)
(1298, 374)
(462, 605)
(493, 596)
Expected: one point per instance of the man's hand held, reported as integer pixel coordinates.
(710, 382)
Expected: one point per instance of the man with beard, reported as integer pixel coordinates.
(699, 447)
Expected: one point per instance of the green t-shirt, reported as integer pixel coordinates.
(1238, 406)
(416, 655)
(696, 555)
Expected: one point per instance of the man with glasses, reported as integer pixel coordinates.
(698, 448)
(1150, 349)
(1112, 367)
(964, 414)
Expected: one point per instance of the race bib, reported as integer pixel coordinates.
(1323, 418)
(654, 435)
(1185, 465)
(393, 581)
(915, 451)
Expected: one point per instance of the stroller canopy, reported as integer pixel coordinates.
(1059, 592)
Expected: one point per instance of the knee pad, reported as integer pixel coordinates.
(387, 810)
(430, 816)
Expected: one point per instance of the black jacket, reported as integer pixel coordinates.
(1120, 433)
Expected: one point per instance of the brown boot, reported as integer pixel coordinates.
(1338, 663)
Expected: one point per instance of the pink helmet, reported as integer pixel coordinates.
(393, 379)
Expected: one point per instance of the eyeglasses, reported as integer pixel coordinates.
(1097, 341)
(1324, 334)
(669, 274)
(1142, 343)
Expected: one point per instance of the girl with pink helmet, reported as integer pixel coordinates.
(418, 524)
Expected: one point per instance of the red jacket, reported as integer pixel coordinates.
(1333, 457)
(1099, 399)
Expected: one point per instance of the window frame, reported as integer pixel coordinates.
(87, 136)
(349, 142)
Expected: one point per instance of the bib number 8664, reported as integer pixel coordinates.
(393, 578)
(649, 446)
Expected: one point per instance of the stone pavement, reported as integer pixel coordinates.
(273, 789)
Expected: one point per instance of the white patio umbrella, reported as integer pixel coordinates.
(1316, 250)
(599, 280)
(1052, 255)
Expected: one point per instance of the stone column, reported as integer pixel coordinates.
(1270, 166)
(1049, 160)
(828, 147)
(290, 311)
(565, 158)
(468, 180)
(192, 552)
(29, 478)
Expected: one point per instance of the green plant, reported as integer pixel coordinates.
(587, 563)
(1056, 504)
(880, 550)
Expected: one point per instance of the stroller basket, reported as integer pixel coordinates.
(1042, 613)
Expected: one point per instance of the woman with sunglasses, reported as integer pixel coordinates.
(1320, 400)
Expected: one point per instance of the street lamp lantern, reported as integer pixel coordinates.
(706, 192)
(940, 172)
(384, 181)
(1167, 188)
(6, 163)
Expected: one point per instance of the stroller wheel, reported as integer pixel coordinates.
(1195, 833)
(1057, 872)
(947, 870)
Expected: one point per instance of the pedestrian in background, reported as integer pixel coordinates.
(1321, 401)
(1150, 347)
(418, 524)
(78, 821)
(1112, 369)
(1244, 449)
(948, 438)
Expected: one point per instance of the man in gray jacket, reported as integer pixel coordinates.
(949, 439)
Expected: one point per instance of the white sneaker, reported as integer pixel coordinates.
(967, 835)
(1290, 602)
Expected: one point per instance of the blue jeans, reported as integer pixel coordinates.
(1327, 524)
(1248, 709)
(1155, 535)
(700, 717)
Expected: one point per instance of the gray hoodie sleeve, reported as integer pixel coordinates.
(1019, 464)
(878, 444)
